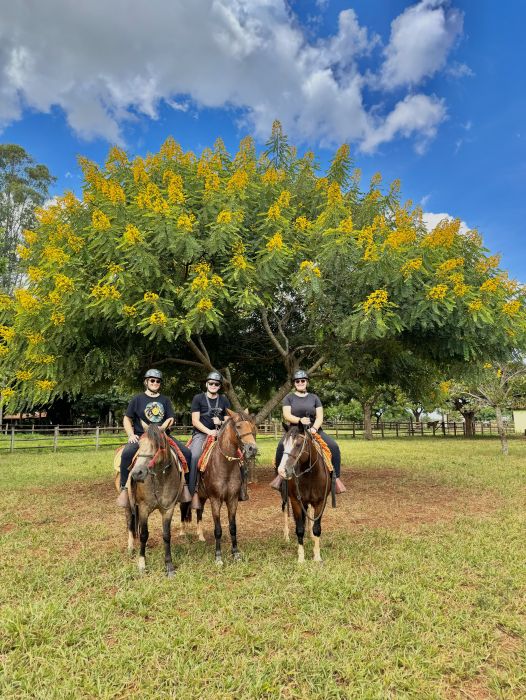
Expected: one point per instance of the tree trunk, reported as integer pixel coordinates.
(367, 422)
(418, 412)
(265, 410)
(502, 430)
(469, 417)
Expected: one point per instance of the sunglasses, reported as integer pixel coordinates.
(154, 381)
(299, 381)
(214, 384)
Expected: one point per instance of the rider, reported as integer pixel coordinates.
(148, 407)
(208, 414)
(302, 407)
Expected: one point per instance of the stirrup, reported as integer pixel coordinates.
(340, 486)
(123, 500)
(276, 483)
(185, 496)
(196, 503)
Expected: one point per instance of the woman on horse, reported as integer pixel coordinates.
(300, 406)
(149, 407)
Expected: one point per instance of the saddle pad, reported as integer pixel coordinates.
(117, 458)
(327, 457)
(173, 446)
(205, 454)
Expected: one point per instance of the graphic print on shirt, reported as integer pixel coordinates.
(154, 412)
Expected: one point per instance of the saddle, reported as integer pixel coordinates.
(327, 457)
(207, 452)
(174, 447)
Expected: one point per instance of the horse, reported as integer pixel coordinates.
(156, 483)
(303, 463)
(221, 481)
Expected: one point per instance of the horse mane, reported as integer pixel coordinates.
(241, 416)
(156, 437)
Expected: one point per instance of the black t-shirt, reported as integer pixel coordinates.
(207, 406)
(150, 409)
(302, 406)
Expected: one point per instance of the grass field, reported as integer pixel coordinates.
(422, 593)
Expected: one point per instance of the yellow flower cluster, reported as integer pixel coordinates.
(35, 337)
(26, 300)
(186, 222)
(488, 263)
(490, 285)
(274, 213)
(23, 375)
(55, 297)
(203, 268)
(239, 262)
(116, 156)
(170, 149)
(272, 176)
(151, 198)
(488, 365)
(275, 243)
(42, 359)
(475, 305)
(4, 350)
(376, 300)
(5, 302)
(76, 243)
(35, 274)
(63, 283)
(212, 182)
(46, 216)
(284, 199)
(200, 283)
(400, 237)
(112, 191)
(205, 305)
(46, 384)
(450, 264)
(460, 289)
(346, 225)
(23, 252)
(150, 296)
(158, 318)
(217, 281)
(224, 217)
(55, 255)
(129, 310)
(308, 267)
(322, 183)
(511, 308)
(105, 291)
(132, 235)
(175, 188)
(57, 318)
(445, 386)
(7, 333)
(7, 393)
(411, 266)
(443, 234)
(30, 237)
(374, 196)
(238, 181)
(115, 269)
(99, 220)
(302, 223)
(334, 194)
(438, 292)
(140, 176)
(376, 179)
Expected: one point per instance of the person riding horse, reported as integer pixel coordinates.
(300, 406)
(150, 407)
(208, 414)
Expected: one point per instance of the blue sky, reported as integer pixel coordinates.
(429, 92)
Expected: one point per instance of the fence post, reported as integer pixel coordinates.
(455, 428)
(353, 429)
(336, 426)
(97, 437)
(55, 438)
(12, 441)
(382, 428)
(482, 428)
(396, 428)
(421, 428)
(275, 430)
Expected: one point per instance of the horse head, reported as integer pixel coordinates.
(296, 449)
(153, 451)
(244, 429)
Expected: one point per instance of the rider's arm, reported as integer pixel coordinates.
(128, 427)
(199, 426)
(319, 418)
(287, 415)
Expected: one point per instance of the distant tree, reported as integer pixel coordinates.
(24, 185)
(253, 265)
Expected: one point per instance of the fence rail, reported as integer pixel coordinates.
(64, 436)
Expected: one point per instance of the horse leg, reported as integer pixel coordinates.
(299, 517)
(130, 523)
(216, 512)
(199, 515)
(143, 536)
(286, 524)
(167, 525)
(186, 516)
(232, 526)
(310, 524)
(316, 531)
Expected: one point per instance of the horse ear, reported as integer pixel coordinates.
(286, 426)
(230, 413)
(144, 425)
(245, 410)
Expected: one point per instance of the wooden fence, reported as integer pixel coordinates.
(63, 437)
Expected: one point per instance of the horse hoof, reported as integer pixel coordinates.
(201, 538)
(170, 573)
(219, 562)
(237, 556)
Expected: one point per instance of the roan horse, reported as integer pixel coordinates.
(221, 481)
(308, 484)
(156, 483)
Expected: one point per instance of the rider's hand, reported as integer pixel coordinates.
(133, 438)
(213, 432)
(305, 420)
(313, 430)
(281, 472)
(216, 421)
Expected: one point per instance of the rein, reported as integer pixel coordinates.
(306, 471)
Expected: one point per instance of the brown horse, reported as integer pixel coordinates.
(156, 483)
(308, 484)
(221, 481)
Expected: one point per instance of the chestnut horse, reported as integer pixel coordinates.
(156, 483)
(221, 481)
(308, 484)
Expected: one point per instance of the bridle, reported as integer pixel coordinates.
(298, 475)
(239, 437)
(153, 459)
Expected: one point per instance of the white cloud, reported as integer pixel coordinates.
(431, 220)
(105, 64)
(421, 38)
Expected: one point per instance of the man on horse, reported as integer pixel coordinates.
(150, 407)
(208, 414)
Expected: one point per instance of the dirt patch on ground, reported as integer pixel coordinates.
(387, 498)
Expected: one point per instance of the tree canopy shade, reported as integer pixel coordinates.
(250, 264)
(24, 185)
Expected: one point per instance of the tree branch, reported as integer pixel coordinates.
(271, 335)
(191, 363)
(265, 410)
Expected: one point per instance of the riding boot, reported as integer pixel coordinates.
(243, 489)
(340, 487)
(196, 503)
(276, 483)
(123, 500)
(185, 496)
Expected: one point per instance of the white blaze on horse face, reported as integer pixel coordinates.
(288, 444)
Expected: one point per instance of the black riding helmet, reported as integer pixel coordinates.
(215, 376)
(300, 374)
(153, 374)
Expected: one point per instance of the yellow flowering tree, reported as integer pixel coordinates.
(250, 264)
